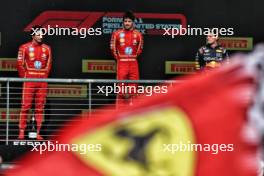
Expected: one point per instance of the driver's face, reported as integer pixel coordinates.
(38, 36)
(211, 38)
(128, 23)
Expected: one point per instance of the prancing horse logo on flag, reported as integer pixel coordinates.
(134, 146)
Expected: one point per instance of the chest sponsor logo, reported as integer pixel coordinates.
(37, 65)
(122, 35)
(122, 40)
(128, 50)
(31, 49)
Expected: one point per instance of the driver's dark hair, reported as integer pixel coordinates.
(129, 14)
(35, 28)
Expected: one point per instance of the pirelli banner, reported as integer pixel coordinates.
(180, 67)
(98, 66)
(67, 91)
(13, 115)
(8, 64)
(236, 43)
(88, 66)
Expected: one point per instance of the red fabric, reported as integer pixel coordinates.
(215, 106)
(122, 39)
(127, 70)
(34, 60)
(33, 91)
(127, 44)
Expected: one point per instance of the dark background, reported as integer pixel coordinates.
(244, 16)
(68, 52)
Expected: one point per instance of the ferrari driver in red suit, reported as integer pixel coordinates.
(126, 46)
(34, 61)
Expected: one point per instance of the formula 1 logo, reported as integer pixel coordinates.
(147, 23)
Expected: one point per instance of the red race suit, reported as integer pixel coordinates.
(33, 61)
(126, 46)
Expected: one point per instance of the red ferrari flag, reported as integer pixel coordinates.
(199, 128)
